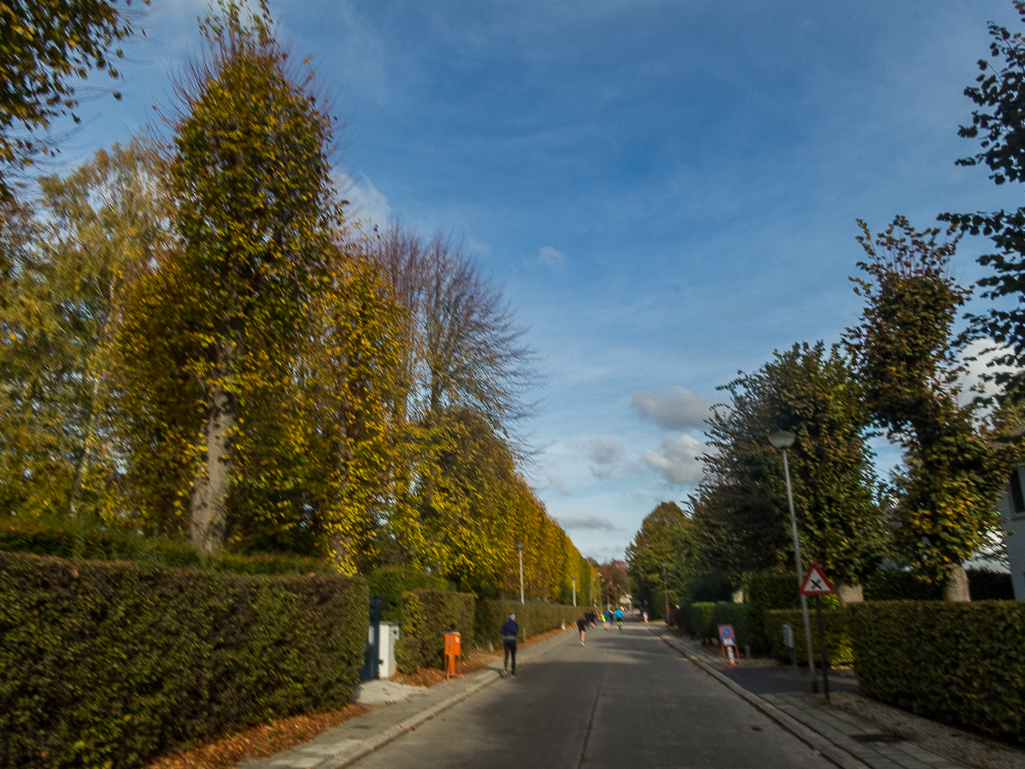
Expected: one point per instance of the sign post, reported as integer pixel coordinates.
(816, 584)
(729, 644)
(453, 649)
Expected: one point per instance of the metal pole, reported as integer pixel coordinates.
(822, 644)
(800, 576)
(665, 586)
(574, 590)
(519, 548)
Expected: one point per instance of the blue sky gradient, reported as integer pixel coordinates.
(667, 189)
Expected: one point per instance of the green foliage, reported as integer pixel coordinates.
(764, 592)
(896, 585)
(959, 663)
(664, 537)
(836, 623)
(999, 128)
(741, 518)
(702, 620)
(533, 618)
(390, 582)
(905, 352)
(106, 664)
(80, 538)
(43, 45)
(428, 614)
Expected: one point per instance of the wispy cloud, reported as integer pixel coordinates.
(556, 485)
(679, 409)
(366, 202)
(593, 522)
(678, 461)
(551, 258)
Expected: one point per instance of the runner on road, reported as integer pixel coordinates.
(605, 619)
(509, 632)
(619, 618)
(582, 627)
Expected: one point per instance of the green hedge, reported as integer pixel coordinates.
(836, 623)
(390, 582)
(701, 620)
(82, 539)
(735, 614)
(426, 616)
(896, 585)
(959, 663)
(533, 618)
(105, 664)
(764, 592)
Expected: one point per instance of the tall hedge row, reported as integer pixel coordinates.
(767, 591)
(103, 664)
(426, 616)
(960, 663)
(533, 618)
(836, 623)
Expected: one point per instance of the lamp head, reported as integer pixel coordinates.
(519, 545)
(782, 439)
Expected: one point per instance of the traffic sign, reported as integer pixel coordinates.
(815, 583)
(726, 635)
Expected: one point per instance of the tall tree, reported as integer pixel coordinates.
(255, 212)
(741, 515)
(664, 537)
(905, 353)
(44, 45)
(999, 125)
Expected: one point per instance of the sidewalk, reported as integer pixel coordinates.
(852, 741)
(390, 717)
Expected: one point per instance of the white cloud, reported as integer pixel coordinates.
(556, 485)
(606, 451)
(678, 463)
(678, 410)
(551, 258)
(981, 352)
(366, 202)
(585, 522)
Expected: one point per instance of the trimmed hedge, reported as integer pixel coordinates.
(765, 592)
(105, 664)
(78, 539)
(735, 614)
(836, 623)
(426, 616)
(896, 585)
(533, 618)
(701, 624)
(390, 582)
(959, 663)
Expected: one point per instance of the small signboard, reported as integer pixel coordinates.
(726, 635)
(815, 583)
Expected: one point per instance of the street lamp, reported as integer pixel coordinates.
(665, 586)
(519, 547)
(574, 590)
(784, 439)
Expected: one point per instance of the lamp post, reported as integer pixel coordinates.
(783, 440)
(574, 590)
(519, 548)
(665, 586)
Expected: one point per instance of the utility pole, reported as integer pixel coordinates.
(519, 548)
(665, 586)
(574, 590)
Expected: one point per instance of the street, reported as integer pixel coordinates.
(623, 700)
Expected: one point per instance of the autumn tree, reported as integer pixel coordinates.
(906, 355)
(665, 536)
(255, 213)
(741, 512)
(44, 46)
(999, 125)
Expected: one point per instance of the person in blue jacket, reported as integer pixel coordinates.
(509, 632)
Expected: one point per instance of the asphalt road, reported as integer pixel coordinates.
(624, 700)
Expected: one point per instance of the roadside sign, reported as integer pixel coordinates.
(815, 583)
(726, 635)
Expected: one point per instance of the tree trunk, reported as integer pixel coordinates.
(956, 586)
(210, 485)
(849, 594)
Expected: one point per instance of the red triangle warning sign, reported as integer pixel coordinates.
(815, 582)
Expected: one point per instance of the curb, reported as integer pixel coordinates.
(365, 747)
(816, 741)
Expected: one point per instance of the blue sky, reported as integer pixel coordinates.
(666, 189)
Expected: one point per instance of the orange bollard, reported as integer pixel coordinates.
(453, 649)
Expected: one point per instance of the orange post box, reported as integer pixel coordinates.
(453, 649)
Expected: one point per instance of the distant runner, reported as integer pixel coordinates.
(619, 618)
(605, 619)
(509, 632)
(582, 627)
